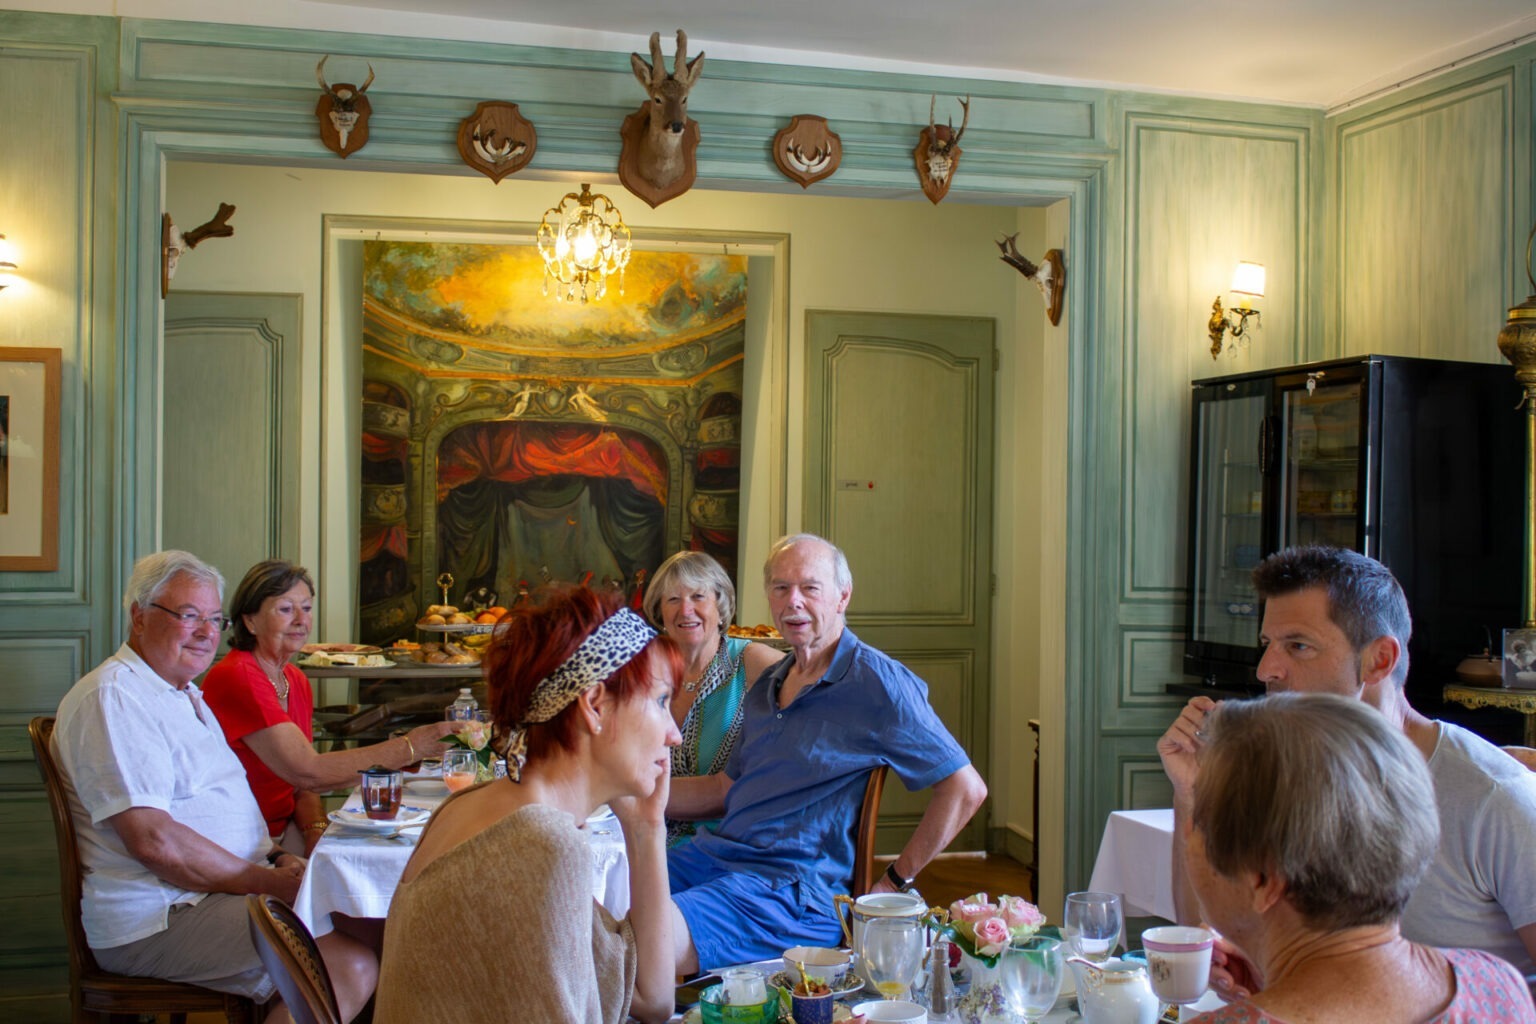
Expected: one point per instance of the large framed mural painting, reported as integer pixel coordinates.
(511, 440)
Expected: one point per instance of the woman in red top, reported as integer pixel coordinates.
(266, 707)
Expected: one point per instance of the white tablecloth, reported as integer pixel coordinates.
(1136, 860)
(356, 874)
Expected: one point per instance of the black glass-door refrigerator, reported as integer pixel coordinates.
(1418, 463)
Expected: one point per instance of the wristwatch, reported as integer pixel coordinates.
(894, 877)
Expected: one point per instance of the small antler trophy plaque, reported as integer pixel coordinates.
(497, 140)
(937, 155)
(806, 150)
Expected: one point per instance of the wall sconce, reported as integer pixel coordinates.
(8, 267)
(1247, 285)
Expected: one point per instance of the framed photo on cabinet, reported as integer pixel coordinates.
(29, 459)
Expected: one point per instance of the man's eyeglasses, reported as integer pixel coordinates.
(190, 620)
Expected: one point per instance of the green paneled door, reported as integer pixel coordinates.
(899, 474)
(231, 436)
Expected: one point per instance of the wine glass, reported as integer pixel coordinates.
(892, 951)
(1092, 924)
(459, 768)
(1031, 971)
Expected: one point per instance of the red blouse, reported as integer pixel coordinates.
(245, 701)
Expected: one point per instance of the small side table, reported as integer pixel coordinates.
(1523, 701)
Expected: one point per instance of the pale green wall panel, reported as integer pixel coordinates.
(57, 204)
(1203, 196)
(1432, 202)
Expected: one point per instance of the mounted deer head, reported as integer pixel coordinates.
(938, 152)
(1049, 275)
(343, 113)
(657, 162)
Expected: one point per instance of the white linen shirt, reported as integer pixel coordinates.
(127, 738)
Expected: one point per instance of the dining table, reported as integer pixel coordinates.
(355, 869)
(1136, 860)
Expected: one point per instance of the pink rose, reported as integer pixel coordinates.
(972, 909)
(475, 735)
(992, 936)
(1023, 917)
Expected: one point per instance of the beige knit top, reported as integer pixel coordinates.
(542, 948)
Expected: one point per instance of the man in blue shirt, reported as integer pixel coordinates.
(813, 728)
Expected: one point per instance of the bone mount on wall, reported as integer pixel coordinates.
(174, 244)
(1049, 275)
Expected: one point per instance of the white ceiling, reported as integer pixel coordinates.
(1321, 53)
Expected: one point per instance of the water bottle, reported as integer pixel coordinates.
(463, 709)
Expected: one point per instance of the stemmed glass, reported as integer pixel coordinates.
(892, 951)
(1031, 972)
(1092, 924)
(459, 768)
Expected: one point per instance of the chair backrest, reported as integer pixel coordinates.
(864, 836)
(80, 959)
(292, 960)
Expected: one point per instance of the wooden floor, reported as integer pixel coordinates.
(953, 876)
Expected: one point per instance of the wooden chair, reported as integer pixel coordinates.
(93, 991)
(864, 837)
(293, 960)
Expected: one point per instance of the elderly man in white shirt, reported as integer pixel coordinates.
(170, 836)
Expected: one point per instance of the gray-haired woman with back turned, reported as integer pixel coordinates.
(1313, 821)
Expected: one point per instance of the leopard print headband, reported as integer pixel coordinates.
(609, 648)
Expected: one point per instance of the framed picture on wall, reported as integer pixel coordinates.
(29, 459)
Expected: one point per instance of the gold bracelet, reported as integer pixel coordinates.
(314, 826)
(410, 747)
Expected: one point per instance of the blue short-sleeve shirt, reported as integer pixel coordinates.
(798, 773)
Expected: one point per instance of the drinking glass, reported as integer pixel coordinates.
(892, 951)
(1031, 972)
(381, 793)
(1092, 924)
(459, 769)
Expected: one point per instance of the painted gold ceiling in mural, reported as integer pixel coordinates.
(491, 296)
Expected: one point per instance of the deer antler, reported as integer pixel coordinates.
(965, 105)
(1016, 259)
(658, 67)
(218, 227)
(364, 87)
(932, 125)
(320, 74)
(680, 61)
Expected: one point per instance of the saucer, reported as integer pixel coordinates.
(406, 817)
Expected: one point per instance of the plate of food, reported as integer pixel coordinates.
(847, 985)
(339, 659)
(340, 649)
(407, 817)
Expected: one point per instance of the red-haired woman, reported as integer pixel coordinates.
(495, 916)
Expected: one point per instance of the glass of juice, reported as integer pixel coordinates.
(460, 768)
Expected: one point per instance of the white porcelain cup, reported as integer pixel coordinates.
(891, 1011)
(1179, 961)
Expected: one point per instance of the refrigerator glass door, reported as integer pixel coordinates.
(1229, 507)
(1320, 479)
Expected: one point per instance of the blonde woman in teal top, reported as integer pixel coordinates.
(691, 600)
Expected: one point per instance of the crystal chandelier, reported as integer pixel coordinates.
(582, 241)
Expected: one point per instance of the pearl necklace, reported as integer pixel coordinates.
(279, 683)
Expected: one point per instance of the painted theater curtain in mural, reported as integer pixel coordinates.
(579, 502)
(510, 439)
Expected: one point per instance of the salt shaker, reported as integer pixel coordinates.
(941, 987)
